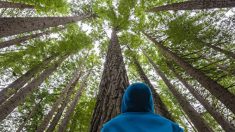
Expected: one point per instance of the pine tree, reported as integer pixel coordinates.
(5, 4)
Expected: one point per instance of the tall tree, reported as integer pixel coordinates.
(160, 107)
(194, 116)
(194, 5)
(216, 115)
(5, 4)
(212, 86)
(19, 40)
(73, 104)
(68, 89)
(7, 107)
(114, 81)
(13, 26)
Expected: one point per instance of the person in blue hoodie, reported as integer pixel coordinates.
(137, 113)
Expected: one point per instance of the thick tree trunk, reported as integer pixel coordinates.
(194, 5)
(34, 109)
(72, 106)
(22, 39)
(7, 107)
(114, 81)
(68, 89)
(160, 107)
(212, 86)
(216, 115)
(5, 4)
(21, 81)
(12, 26)
(194, 116)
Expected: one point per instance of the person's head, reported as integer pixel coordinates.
(137, 98)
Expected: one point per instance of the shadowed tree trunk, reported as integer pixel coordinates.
(5, 4)
(216, 115)
(212, 86)
(194, 116)
(17, 41)
(68, 89)
(160, 107)
(34, 110)
(8, 106)
(12, 26)
(194, 5)
(71, 108)
(21, 81)
(114, 81)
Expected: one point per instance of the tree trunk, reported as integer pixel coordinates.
(195, 5)
(72, 106)
(160, 107)
(21, 81)
(114, 81)
(7, 107)
(29, 116)
(23, 39)
(5, 4)
(227, 53)
(68, 89)
(216, 115)
(212, 86)
(194, 116)
(12, 26)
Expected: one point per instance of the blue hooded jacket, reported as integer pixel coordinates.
(138, 113)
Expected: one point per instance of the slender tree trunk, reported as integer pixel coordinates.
(212, 86)
(194, 116)
(12, 26)
(216, 115)
(5, 4)
(114, 81)
(160, 107)
(227, 53)
(194, 5)
(29, 116)
(72, 106)
(23, 39)
(21, 81)
(7, 107)
(68, 89)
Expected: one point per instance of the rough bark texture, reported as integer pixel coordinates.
(22, 39)
(212, 86)
(21, 81)
(34, 109)
(216, 115)
(71, 108)
(7, 107)
(12, 26)
(68, 89)
(160, 107)
(114, 81)
(194, 116)
(5, 4)
(194, 5)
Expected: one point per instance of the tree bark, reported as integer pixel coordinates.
(216, 115)
(7, 107)
(5, 4)
(194, 116)
(72, 106)
(68, 89)
(114, 81)
(21, 81)
(22, 39)
(12, 26)
(195, 5)
(160, 107)
(34, 109)
(212, 86)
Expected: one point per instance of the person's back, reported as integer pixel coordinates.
(138, 114)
